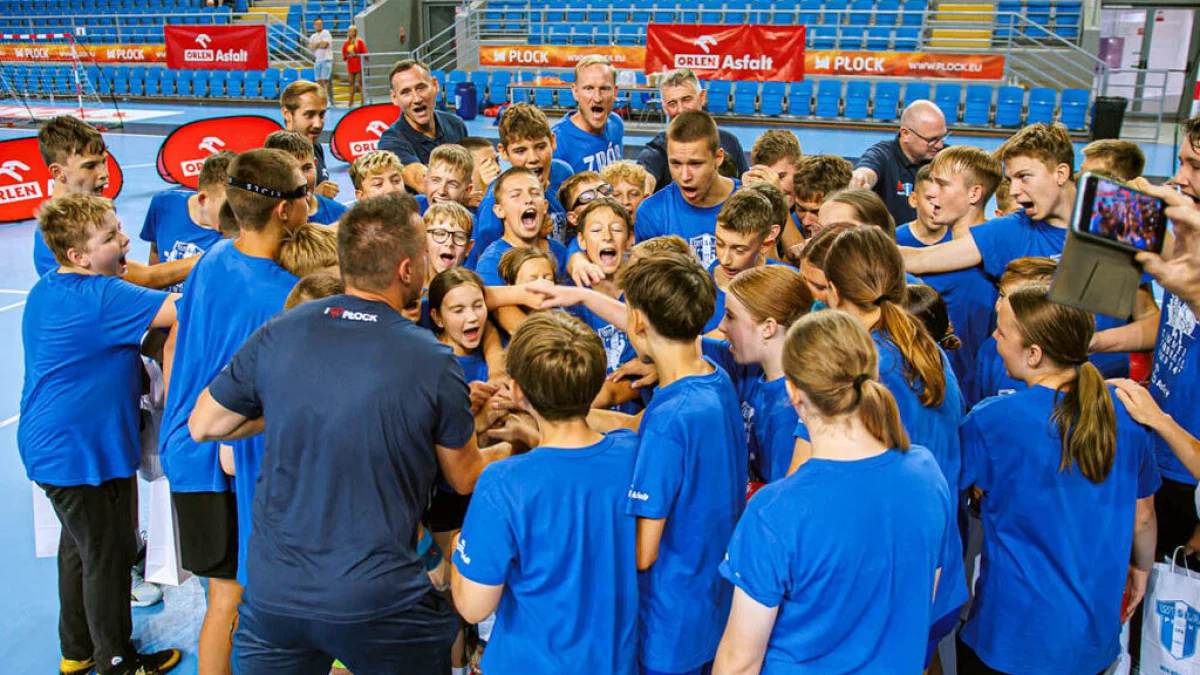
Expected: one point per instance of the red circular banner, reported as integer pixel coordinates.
(358, 132)
(183, 152)
(25, 181)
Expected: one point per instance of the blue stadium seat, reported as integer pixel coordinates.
(1041, 105)
(800, 95)
(718, 96)
(829, 96)
(735, 14)
(640, 15)
(947, 96)
(664, 12)
(216, 83)
(566, 98)
(879, 39)
(861, 12)
(454, 77)
(858, 95)
(559, 34)
(887, 12)
(689, 11)
(887, 101)
(620, 11)
(810, 13)
(121, 81)
(235, 84)
(311, 75)
(253, 85)
(185, 82)
(760, 11)
(907, 39)
(630, 35)
(271, 83)
(200, 83)
(498, 91)
(480, 79)
(137, 81)
(823, 37)
(978, 108)
(167, 81)
(576, 11)
(772, 98)
(852, 37)
(543, 97)
(916, 91)
(745, 98)
(1074, 107)
(582, 34)
(288, 76)
(711, 11)
(913, 13)
(1010, 102)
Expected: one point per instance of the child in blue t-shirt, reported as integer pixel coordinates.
(746, 230)
(546, 544)
(527, 142)
(835, 566)
(449, 177)
(521, 204)
(1051, 595)
(690, 205)
(78, 438)
(321, 209)
(591, 137)
(180, 224)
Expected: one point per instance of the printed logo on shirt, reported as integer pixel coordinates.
(343, 314)
(748, 419)
(602, 159)
(640, 496)
(705, 248)
(614, 345)
(461, 547)
(1178, 624)
(1170, 354)
(903, 189)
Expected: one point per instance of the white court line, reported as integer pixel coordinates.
(12, 306)
(140, 166)
(5, 290)
(11, 420)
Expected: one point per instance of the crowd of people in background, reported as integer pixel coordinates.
(530, 407)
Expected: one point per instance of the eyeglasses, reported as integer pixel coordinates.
(296, 193)
(931, 141)
(440, 235)
(588, 196)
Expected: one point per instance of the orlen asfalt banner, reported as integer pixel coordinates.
(719, 52)
(182, 153)
(216, 47)
(25, 181)
(358, 132)
(934, 65)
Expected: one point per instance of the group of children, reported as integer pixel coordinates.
(753, 438)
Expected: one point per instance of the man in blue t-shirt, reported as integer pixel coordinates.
(78, 436)
(547, 530)
(235, 288)
(321, 210)
(592, 137)
(303, 105)
(421, 127)
(365, 466)
(180, 224)
(689, 206)
(889, 168)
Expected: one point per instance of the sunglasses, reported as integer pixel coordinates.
(440, 235)
(588, 196)
(297, 193)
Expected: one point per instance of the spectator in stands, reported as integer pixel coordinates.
(1117, 159)
(421, 127)
(890, 167)
(321, 42)
(681, 92)
(303, 105)
(592, 137)
(353, 51)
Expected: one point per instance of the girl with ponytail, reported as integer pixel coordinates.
(760, 304)
(834, 566)
(867, 280)
(1068, 480)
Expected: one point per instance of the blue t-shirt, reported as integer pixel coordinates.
(848, 552)
(216, 315)
(691, 470)
(488, 267)
(423, 205)
(43, 257)
(1056, 546)
(719, 306)
(586, 151)
(989, 377)
(489, 228)
(341, 492)
(169, 227)
(1176, 353)
(1004, 239)
(617, 348)
(474, 366)
(551, 526)
(970, 302)
(328, 211)
(667, 212)
(83, 378)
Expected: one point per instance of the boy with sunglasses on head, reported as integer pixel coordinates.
(321, 209)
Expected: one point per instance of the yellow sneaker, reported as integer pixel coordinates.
(69, 667)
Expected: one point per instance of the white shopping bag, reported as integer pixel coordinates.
(152, 412)
(46, 527)
(162, 538)
(1172, 620)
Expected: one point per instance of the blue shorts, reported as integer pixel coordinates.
(322, 70)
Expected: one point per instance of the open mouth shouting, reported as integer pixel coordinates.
(99, 189)
(608, 256)
(471, 335)
(529, 220)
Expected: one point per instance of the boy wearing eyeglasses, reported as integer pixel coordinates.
(449, 177)
(448, 230)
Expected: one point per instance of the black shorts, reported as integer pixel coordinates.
(447, 510)
(208, 533)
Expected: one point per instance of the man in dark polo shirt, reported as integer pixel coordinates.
(354, 441)
(681, 92)
(890, 167)
(421, 127)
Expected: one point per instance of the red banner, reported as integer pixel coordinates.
(216, 47)
(358, 132)
(25, 182)
(937, 65)
(745, 52)
(40, 52)
(182, 153)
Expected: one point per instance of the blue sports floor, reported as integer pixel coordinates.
(29, 608)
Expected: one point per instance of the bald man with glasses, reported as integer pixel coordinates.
(890, 167)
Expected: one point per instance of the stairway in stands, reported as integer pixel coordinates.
(962, 25)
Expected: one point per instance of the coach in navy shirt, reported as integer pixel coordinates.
(421, 127)
(350, 459)
(890, 167)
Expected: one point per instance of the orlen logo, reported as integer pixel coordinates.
(363, 147)
(345, 315)
(210, 144)
(202, 54)
(22, 190)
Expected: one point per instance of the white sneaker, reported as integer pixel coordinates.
(143, 593)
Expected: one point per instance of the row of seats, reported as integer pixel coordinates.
(337, 15)
(139, 81)
(807, 12)
(874, 38)
(46, 7)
